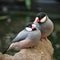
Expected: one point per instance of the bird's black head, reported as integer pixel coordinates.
(31, 26)
(41, 17)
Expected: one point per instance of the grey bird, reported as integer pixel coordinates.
(26, 38)
(46, 25)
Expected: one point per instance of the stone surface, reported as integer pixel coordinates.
(43, 51)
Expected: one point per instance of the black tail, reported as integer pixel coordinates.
(5, 50)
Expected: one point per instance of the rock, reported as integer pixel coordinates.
(5, 57)
(43, 51)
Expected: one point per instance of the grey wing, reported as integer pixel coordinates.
(21, 35)
(34, 35)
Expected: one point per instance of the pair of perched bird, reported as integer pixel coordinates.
(40, 28)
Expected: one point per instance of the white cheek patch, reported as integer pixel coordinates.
(28, 29)
(43, 19)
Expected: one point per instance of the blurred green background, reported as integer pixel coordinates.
(15, 14)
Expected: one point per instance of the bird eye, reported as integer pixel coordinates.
(43, 19)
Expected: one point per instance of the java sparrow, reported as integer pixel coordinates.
(46, 25)
(26, 38)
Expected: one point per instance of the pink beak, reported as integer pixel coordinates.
(33, 26)
(36, 19)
